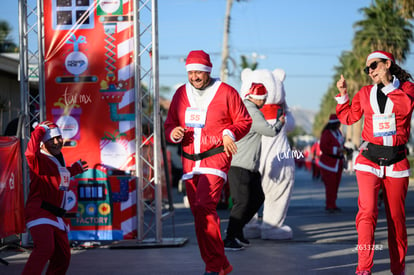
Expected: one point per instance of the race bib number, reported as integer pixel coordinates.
(64, 178)
(383, 125)
(195, 117)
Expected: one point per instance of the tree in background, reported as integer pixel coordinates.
(6, 42)
(246, 64)
(385, 27)
(407, 8)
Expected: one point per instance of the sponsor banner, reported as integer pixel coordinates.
(89, 84)
(106, 207)
(11, 188)
(89, 93)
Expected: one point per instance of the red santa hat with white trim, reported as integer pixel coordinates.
(333, 118)
(382, 55)
(52, 130)
(198, 61)
(257, 91)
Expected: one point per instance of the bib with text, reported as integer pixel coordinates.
(64, 178)
(383, 125)
(195, 117)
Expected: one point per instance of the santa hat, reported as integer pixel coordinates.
(198, 61)
(257, 91)
(333, 119)
(382, 55)
(52, 130)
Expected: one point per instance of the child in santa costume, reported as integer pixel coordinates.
(207, 117)
(244, 177)
(48, 200)
(387, 107)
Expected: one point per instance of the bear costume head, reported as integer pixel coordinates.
(273, 81)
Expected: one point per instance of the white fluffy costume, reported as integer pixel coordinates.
(277, 165)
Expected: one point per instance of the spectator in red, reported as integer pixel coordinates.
(332, 161)
(316, 154)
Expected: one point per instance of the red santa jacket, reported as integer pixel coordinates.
(225, 113)
(331, 145)
(400, 102)
(45, 178)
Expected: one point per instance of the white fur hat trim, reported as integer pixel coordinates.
(51, 133)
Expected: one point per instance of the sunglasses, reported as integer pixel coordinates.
(372, 66)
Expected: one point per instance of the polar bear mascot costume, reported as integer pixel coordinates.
(277, 165)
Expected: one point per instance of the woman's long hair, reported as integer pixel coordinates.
(401, 74)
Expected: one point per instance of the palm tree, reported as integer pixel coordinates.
(245, 63)
(6, 43)
(407, 8)
(383, 29)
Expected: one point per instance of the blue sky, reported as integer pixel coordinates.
(304, 38)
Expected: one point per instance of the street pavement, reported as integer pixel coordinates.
(323, 243)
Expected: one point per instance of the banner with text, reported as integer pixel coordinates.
(89, 80)
(89, 84)
(11, 188)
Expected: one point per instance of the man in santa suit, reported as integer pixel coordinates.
(331, 161)
(207, 117)
(386, 106)
(48, 200)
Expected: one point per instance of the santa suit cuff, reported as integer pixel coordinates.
(229, 133)
(342, 99)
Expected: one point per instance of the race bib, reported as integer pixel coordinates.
(383, 125)
(64, 178)
(195, 117)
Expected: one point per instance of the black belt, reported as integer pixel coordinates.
(205, 154)
(57, 211)
(336, 156)
(384, 155)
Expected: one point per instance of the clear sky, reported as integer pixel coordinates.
(304, 38)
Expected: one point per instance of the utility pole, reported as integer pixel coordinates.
(225, 50)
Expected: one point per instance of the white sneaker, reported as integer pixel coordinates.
(186, 202)
(277, 233)
(252, 231)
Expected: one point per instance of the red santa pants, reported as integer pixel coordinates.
(49, 243)
(395, 191)
(331, 181)
(203, 193)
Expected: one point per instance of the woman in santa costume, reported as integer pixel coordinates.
(207, 117)
(48, 200)
(387, 106)
(331, 161)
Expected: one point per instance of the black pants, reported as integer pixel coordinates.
(247, 194)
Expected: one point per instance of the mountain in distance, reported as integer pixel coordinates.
(303, 117)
